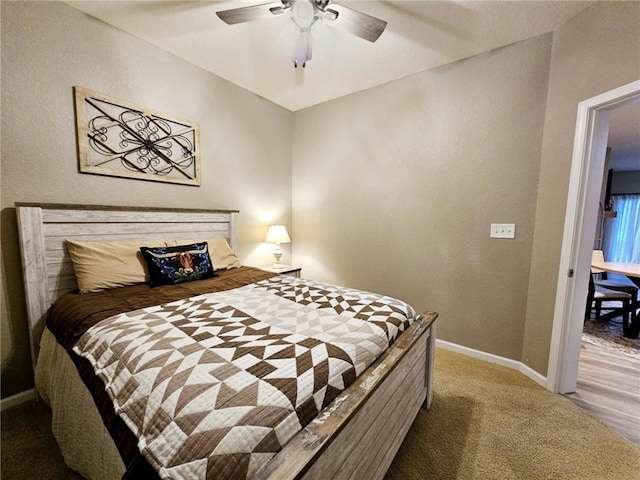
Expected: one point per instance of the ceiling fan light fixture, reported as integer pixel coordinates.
(302, 53)
(329, 14)
(304, 13)
(277, 10)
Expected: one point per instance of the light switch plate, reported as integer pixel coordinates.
(503, 230)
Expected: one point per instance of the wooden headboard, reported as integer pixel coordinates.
(43, 228)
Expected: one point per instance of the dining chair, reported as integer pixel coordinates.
(614, 281)
(598, 295)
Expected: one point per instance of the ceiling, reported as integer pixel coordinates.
(257, 56)
(420, 35)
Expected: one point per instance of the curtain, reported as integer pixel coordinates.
(622, 235)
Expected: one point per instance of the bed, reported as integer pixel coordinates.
(355, 432)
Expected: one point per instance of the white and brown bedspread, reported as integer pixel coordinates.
(214, 385)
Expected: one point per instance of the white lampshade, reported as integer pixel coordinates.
(277, 234)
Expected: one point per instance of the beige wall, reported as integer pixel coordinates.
(395, 188)
(47, 48)
(595, 52)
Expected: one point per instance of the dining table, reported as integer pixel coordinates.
(631, 270)
(628, 269)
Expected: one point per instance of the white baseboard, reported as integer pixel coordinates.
(533, 375)
(17, 399)
(491, 358)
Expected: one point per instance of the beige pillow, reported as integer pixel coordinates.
(220, 252)
(104, 265)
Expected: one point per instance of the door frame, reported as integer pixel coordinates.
(587, 172)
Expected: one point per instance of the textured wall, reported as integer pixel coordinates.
(597, 51)
(394, 190)
(47, 48)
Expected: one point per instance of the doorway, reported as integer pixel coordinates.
(587, 172)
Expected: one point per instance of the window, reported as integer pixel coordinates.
(622, 233)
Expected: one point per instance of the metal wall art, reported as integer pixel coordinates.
(124, 140)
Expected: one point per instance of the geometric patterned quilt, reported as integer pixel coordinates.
(215, 385)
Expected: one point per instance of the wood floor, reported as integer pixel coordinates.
(609, 388)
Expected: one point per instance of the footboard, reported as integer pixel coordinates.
(359, 433)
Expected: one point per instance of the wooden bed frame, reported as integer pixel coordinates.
(356, 436)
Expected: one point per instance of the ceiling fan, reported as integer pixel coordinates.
(304, 14)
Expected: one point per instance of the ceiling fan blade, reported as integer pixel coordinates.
(254, 12)
(354, 22)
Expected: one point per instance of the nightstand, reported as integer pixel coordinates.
(285, 270)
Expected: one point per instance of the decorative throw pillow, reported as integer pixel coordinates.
(178, 264)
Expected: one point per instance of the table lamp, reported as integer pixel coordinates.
(277, 234)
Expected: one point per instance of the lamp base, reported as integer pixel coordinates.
(277, 254)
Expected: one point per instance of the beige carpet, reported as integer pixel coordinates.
(490, 422)
(487, 422)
